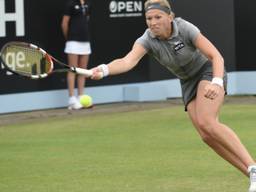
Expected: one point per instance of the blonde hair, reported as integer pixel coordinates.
(164, 3)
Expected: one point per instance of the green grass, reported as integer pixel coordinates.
(156, 150)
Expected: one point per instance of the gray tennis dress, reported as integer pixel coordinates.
(180, 56)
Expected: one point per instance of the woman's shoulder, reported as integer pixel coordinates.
(180, 21)
(145, 35)
(186, 29)
(146, 39)
(183, 24)
(148, 34)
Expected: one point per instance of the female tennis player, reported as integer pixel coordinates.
(186, 52)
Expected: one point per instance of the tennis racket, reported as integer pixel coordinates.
(31, 61)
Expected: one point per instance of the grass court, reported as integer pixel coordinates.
(147, 150)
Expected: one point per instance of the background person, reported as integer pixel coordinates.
(186, 52)
(75, 28)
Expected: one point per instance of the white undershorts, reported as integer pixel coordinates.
(79, 48)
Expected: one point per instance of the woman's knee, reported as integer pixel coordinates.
(207, 127)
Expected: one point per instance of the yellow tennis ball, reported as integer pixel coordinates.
(86, 101)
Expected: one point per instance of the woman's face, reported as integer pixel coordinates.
(159, 23)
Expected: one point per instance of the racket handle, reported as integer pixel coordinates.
(80, 71)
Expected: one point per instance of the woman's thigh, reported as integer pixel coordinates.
(83, 61)
(73, 60)
(205, 107)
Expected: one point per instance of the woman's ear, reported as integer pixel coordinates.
(171, 17)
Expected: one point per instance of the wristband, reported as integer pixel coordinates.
(104, 69)
(217, 81)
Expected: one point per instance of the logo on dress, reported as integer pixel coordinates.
(178, 45)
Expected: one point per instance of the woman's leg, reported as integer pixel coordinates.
(221, 138)
(82, 63)
(228, 156)
(71, 77)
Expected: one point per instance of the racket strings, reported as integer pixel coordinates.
(26, 60)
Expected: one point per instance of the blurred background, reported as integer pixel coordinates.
(114, 26)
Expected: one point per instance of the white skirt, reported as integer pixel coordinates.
(78, 48)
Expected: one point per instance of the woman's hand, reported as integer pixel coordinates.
(97, 73)
(212, 91)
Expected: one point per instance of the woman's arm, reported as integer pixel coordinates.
(212, 90)
(211, 52)
(64, 25)
(121, 65)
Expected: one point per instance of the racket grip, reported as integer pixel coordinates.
(85, 72)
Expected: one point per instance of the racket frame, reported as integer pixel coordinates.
(51, 60)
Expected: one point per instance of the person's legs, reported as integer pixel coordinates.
(219, 149)
(82, 63)
(71, 77)
(73, 102)
(204, 115)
